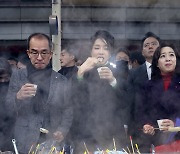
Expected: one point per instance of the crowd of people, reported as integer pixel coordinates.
(92, 104)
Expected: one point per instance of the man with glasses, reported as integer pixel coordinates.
(136, 80)
(37, 96)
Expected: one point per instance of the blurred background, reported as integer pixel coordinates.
(127, 20)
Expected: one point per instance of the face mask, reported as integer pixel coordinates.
(121, 63)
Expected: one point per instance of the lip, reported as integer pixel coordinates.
(167, 65)
(151, 51)
(39, 63)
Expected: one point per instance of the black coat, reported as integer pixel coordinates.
(6, 121)
(154, 103)
(68, 72)
(98, 117)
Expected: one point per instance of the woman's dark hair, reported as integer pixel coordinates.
(124, 50)
(156, 73)
(5, 67)
(105, 35)
(39, 36)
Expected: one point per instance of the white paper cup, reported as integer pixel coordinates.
(35, 87)
(159, 123)
(99, 69)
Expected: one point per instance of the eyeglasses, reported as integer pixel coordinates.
(152, 44)
(43, 54)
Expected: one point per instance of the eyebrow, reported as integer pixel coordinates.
(40, 50)
(168, 52)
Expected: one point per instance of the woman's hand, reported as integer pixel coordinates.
(106, 73)
(148, 129)
(89, 64)
(166, 123)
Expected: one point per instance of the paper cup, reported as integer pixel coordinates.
(159, 123)
(35, 87)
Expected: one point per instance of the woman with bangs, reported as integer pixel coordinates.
(161, 96)
(97, 114)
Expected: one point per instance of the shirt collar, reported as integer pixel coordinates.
(148, 65)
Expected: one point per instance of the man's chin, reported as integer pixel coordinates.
(40, 66)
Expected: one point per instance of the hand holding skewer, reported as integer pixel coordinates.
(148, 129)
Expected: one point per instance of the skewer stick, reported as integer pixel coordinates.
(153, 149)
(137, 149)
(128, 150)
(30, 149)
(125, 151)
(86, 148)
(114, 143)
(15, 147)
(37, 148)
(132, 144)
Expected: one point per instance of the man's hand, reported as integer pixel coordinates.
(58, 136)
(26, 91)
(148, 129)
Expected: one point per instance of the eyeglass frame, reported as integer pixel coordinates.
(154, 43)
(36, 54)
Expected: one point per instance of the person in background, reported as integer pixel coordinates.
(7, 122)
(136, 59)
(161, 95)
(13, 62)
(98, 117)
(68, 60)
(22, 60)
(122, 54)
(39, 97)
(137, 79)
(122, 62)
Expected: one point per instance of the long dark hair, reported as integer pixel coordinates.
(156, 73)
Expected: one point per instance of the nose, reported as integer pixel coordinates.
(167, 58)
(150, 45)
(39, 57)
(101, 51)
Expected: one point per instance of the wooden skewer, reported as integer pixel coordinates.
(128, 150)
(125, 151)
(132, 144)
(114, 143)
(30, 149)
(86, 148)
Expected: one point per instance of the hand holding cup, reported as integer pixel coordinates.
(26, 91)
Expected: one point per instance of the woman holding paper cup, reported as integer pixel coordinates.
(98, 97)
(161, 95)
(102, 46)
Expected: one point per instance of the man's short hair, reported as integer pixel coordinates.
(150, 34)
(39, 36)
(72, 48)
